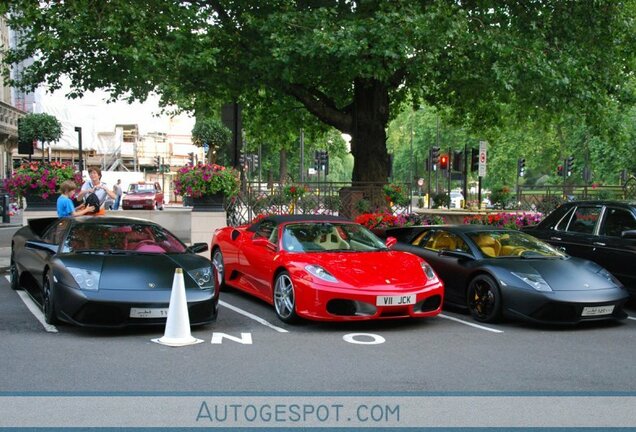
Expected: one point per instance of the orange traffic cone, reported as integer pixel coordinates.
(177, 332)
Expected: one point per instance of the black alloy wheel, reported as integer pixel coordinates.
(48, 303)
(15, 277)
(484, 299)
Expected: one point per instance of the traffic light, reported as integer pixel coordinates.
(326, 163)
(560, 170)
(474, 159)
(158, 162)
(458, 158)
(443, 161)
(191, 158)
(434, 156)
(569, 165)
(521, 167)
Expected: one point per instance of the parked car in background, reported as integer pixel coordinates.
(109, 271)
(143, 196)
(601, 231)
(324, 268)
(498, 272)
(456, 200)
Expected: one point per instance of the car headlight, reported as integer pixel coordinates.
(428, 271)
(87, 280)
(202, 276)
(534, 280)
(320, 273)
(610, 277)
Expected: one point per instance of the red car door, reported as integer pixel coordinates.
(256, 260)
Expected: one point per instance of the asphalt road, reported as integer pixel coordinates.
(240, 353)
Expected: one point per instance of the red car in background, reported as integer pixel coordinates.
(324, 268)
(141, 195)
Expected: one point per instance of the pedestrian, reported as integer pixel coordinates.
(97, 186)
(65, 206)
(118, 192)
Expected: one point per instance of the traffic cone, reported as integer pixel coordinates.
(177, 332)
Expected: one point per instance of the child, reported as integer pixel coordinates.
(65, 206)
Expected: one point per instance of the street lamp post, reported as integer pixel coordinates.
(79, 140)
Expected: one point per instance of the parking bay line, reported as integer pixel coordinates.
(252, 316)
(34, 309)
(470, 324)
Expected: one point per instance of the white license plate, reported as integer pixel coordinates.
(137, 206)
(395, 300)
(148, 312)
(597, 310)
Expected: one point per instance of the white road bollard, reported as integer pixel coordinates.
(177, 332)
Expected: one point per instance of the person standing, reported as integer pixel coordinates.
(97, 186)
(65, 206)
(118, 192)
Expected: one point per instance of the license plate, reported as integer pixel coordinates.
(148, 312)
(597, 310)
(395, 300)
(137, 206)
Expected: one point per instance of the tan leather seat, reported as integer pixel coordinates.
(488, 245)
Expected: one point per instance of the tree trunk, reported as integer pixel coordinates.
(283, 167)
(368, 140)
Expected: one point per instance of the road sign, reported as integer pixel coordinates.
(483, 157)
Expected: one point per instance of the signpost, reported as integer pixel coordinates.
(483, 158)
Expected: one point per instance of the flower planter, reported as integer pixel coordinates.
(208, 203)
(37, 203)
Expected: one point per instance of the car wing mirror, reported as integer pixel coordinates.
(43, 246)
(198, 247)
(629, 234)
(456, 254)
(390, 242)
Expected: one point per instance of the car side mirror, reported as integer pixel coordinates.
(43, 246)
(199, 247)
(629, 234)
(390, 242)
(456, 254)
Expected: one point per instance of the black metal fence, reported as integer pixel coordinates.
(333, 198)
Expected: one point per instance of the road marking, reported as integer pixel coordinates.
(252, 316)
(470, 324)
(35, 310)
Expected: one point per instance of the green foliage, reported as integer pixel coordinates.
(212, 132)
(349, 65)
(39, 127)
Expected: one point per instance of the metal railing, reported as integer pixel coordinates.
(331, 198)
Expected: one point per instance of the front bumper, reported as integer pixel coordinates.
(564, 307)
(321, 303)
(111, 308)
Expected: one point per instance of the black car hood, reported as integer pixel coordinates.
(138, 271)
(569, 274)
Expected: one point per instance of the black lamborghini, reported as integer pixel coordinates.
(109, 271)
(499, 272)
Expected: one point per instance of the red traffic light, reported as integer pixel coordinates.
(443, 161)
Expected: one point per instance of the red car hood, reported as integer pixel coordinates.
(371, 270)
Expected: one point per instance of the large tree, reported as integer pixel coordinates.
(349, 63)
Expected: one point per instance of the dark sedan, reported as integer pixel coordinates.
(600, 231)
(109, 272)
(498, 272)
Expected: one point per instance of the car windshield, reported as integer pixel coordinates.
(330, 237)
(111, 237)
(141, 188)
(512, 244)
